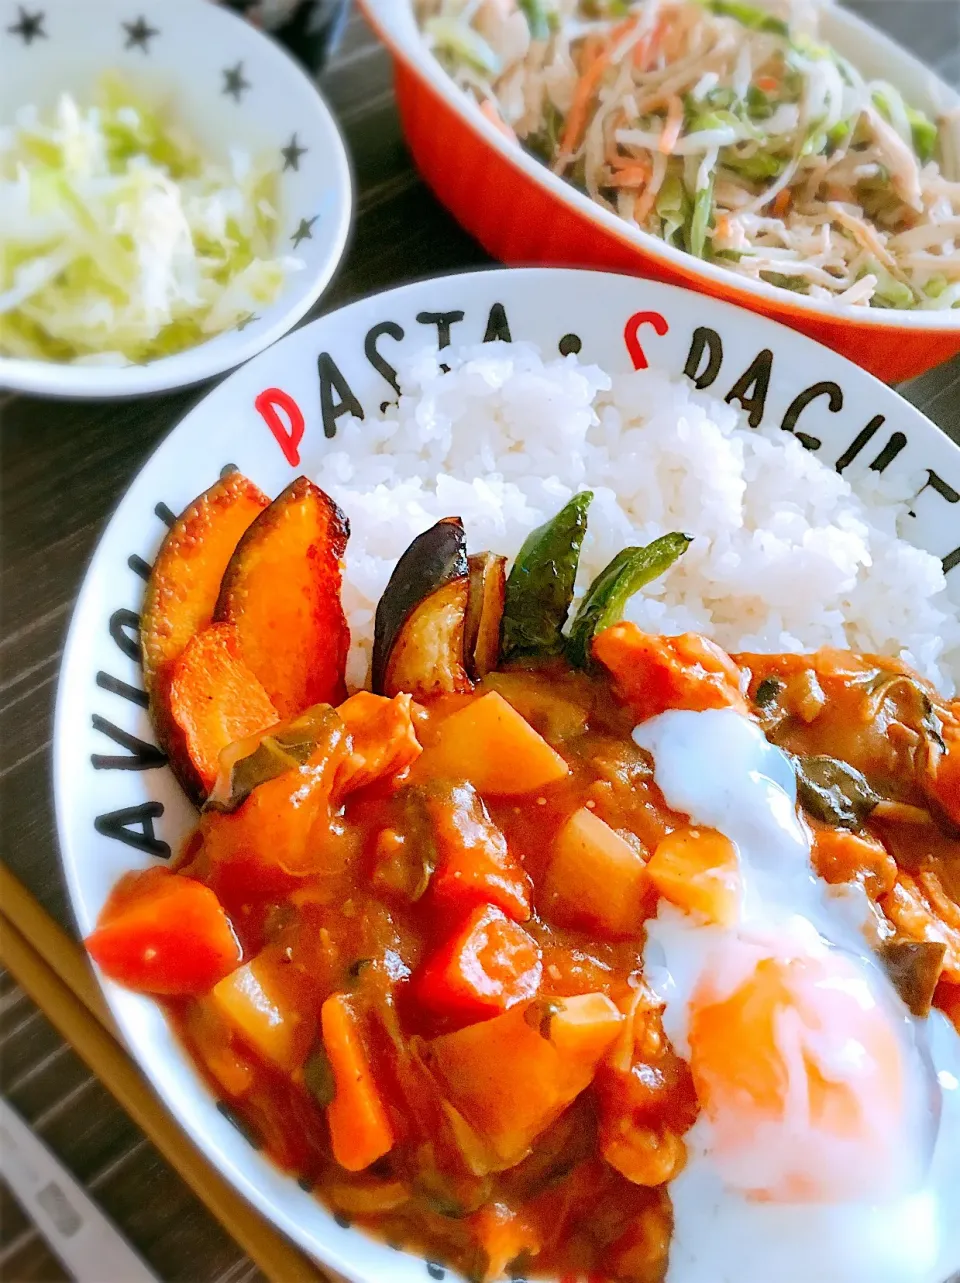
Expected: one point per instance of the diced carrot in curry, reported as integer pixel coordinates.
(268, 1006)
(653, 673)
(383, 740)
(920, 909)
(595, 878)
(282, 591)
(841, 856)
(163, 933)
(474, 865)
(490, 744)
(215, 700)
(360, 1128)
(488, 965)
(699, 871)
(508, 1080)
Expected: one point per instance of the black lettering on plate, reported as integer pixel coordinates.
(138, 566)
(380, 363)
(332, 381)
(165, 514)
(116, 687)
(946, 491)
(343, 1221)
(709, 341)
(498, 327)
(443, 321)
(860, 441)
(142, 756)
(752, 386)
(120, 825)
(570, 344)
(800, 402)
(125, 630)
(943, 488)
(228, 470)
(435, 1270)
(889, 452)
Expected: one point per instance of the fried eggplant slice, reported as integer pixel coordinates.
(485, 598)
(427, 655)
(214, 700)
(281, 591)
(419, 629)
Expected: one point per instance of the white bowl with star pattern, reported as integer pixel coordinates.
(228, 85)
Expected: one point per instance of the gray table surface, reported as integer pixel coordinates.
(63, 467)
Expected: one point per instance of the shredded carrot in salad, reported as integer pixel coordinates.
(492, 113)
(726, 132)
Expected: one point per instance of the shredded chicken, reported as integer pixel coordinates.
(726, 132)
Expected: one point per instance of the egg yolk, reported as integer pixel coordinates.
(801, 1075)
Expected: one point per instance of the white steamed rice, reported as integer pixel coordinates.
(788, 555)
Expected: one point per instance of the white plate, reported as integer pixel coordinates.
(228, 85)
(119, 808)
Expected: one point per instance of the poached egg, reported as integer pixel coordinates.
(828, 1143)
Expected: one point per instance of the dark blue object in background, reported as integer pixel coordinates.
(310, 29)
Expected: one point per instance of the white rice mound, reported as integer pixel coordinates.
(787, 556)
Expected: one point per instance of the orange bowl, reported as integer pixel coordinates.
(523, 214)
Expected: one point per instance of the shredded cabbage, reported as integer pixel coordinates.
(120, 242)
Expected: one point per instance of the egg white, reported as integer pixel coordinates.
(718, 768)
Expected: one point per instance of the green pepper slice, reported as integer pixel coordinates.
(609, 593)
(540, 585)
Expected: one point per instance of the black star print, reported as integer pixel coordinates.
(29, 27)
(139, 34)
(304, 232)
(291, 154)
(234, 83)
(245, 321)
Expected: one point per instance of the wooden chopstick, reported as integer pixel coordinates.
(53, 944)
(56, 986)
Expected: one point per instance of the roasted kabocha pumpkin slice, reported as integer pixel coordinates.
(214, 700)
(281, 591)
(181, 595)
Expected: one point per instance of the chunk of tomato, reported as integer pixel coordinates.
(486, 967)
(163, 933)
